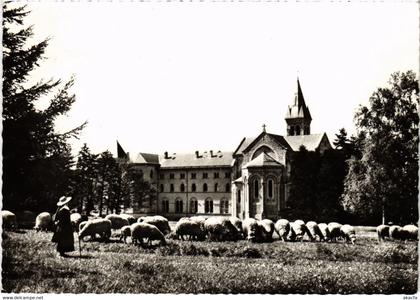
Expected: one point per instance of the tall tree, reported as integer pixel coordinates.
(36, 158)
(382, 184)
(107, 177)
(344, 144)
(84, 178)
(303, 183)
(137, 192)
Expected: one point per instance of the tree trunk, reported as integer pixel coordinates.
(383, 213)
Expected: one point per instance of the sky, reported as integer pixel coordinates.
(182, 76)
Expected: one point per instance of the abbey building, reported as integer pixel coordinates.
(251, 181)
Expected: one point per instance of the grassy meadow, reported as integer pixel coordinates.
(31, 265)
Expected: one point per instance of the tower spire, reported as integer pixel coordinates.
(298, 117)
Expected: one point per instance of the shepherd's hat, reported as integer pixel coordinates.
(63, 200)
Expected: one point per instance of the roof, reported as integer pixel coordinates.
(246, 141)
(146, 158)
(185, 160)
(310, 141)
(281, 139)
(263, 160)
(299, 108)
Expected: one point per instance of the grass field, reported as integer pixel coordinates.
(31, 265)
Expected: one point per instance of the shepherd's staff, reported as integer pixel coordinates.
(80, 247)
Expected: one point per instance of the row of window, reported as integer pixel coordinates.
(296, 130)
(194, 188)
(205, 175)
(208, 206)
(270, 188)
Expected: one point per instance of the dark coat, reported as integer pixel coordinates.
(63, 233)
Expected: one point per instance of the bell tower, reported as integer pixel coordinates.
(298, 117)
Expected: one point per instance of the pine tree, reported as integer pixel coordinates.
(36, 159)
(85, 175)
(107, 180)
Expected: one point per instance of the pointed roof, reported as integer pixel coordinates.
(263, 160)
(120, 152)
(299, 108)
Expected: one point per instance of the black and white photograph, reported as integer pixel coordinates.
(210, 147)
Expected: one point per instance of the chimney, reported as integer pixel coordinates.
(197, 154)
(166, 155)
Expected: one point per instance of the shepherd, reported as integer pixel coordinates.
(63, 232)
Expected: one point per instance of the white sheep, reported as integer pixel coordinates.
(160, 222)
(75, 219)
(323, 227)
(252, 230)
(348, 233)
(383, 232)
(9, 219)
(267, 227)
(313, 228)
(43, 221)
(220, 229)
(298, 230)
(190, 229)
(334, 229)
(117, 221)
(410, 232)
(238, 225)
(141, 231)
(96, 226)
(125, 232)
(282, 228)
(396, 232)
(131, 219)
(200, 220)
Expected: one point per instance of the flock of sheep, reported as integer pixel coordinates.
(155, 228)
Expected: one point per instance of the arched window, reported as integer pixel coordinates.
(208, 206)
(182, 187)
(292, 130)
(205, 188)
(193, 205)
(227, 188)
(172, 187)
(151, 174)
(256, 189)
(193, 187)
(162, 188)
(165, 205)
(297, 130)
(215, 187)
(224, 206)
(270, 188)
(179, 206)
